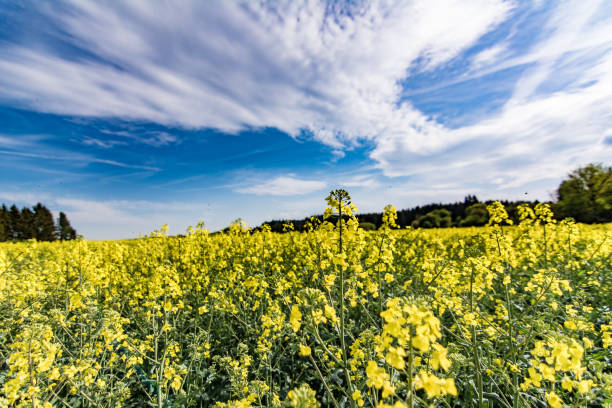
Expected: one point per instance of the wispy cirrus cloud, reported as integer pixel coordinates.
(327, 68)
(105, 144)
(283, 186)
(75, 159)
(154, 138)
(554, 120)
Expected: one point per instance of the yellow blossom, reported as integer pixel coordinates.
(304, 350)
(554, 400)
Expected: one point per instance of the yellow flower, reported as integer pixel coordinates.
(358, 398)
(388, 389)
(584, 386)
(439, 359)
(54, 374)
(330, 313)
(421, 343)
(548, 373)
(450, 387)
(303, 396)
(534, 377)
(329, 280)
(567, 384)
(304, 350)
(395, 357)
(525, 385)
(539, 350)
(394, 328)
(570, 324)
(554, 400)
(295, 318)
(376, 375)
(434, 386)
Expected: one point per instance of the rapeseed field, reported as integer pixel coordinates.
(497, 316)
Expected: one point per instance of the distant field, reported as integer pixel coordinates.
(498, 316)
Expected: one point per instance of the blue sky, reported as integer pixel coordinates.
(128, 115)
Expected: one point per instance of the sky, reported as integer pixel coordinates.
(127, 115)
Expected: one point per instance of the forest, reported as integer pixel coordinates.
(34, 223)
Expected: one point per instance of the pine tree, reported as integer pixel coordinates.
(4, 223)
(14, 223)
(64, 229)
(27, 229)
(44, 225)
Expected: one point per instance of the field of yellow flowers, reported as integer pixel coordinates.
(497, 316)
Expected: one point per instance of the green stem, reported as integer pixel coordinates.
(512, 346)
(323, 380)
(474, 346)
(410, 363)
(347, 372)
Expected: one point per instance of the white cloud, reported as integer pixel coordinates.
(283, 186)
(152, 138)
(105, 144)
(22, 197)
(538, 134)
(361, 181)
(489, 56)
(330, 68)
(6, 141)
(77, 159)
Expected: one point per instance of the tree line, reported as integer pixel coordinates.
(34, 223)
(585, 196)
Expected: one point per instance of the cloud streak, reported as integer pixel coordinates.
(76, 158)
(283, 186)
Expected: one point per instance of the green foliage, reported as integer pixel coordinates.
(368, 226)
(440, 218)
(586, 195)
(475, 215)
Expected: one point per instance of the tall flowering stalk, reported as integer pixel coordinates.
(340, 201)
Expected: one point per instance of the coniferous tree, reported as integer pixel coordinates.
(27, 229)
(43, 224)
(14, 223)
(64, 229)
(4, 223)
